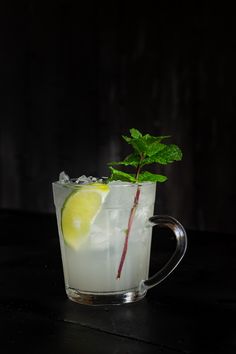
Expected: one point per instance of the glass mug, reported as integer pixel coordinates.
(105, 233)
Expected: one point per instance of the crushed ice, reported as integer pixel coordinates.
(83, 179)
(90, 179)
(64, 178)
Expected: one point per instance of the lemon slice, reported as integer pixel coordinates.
(80, 210)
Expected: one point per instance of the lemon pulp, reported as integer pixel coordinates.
(79, 211)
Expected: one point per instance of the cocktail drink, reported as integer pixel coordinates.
(105, 236)
(92, 222)
(105, 226)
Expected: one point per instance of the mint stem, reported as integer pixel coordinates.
(130, 222)
(139, 166)
(131, 219)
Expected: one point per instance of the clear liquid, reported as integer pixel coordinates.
(94, 266)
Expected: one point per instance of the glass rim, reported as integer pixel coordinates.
(122, 184)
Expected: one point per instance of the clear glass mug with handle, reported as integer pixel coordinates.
(105, 233)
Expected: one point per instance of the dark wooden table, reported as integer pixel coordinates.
(192, 311)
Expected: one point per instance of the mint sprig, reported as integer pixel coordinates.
(148, 150)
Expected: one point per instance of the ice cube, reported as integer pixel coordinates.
(83, 179)
(64, 178)
(102, 179)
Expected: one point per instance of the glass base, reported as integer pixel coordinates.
(112, 298)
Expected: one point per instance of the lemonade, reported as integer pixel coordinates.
(105, 226)
(92, 222)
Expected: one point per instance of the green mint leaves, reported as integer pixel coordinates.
(147, 150)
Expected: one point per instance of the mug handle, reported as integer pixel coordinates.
(181, 245)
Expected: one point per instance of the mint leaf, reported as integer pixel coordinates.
(151, 177)
(131, 160)
(126, 138)
(154, 139)
(139, 145)
(143, 177)
(121, 176)
(135, 133)
(169, 154)
(154, 148)
(145, 144)
(148, 149)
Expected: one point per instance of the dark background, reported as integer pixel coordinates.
(75, 78)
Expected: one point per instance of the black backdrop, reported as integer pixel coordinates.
(74, 78)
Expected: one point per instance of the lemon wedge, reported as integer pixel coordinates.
(79, 212)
